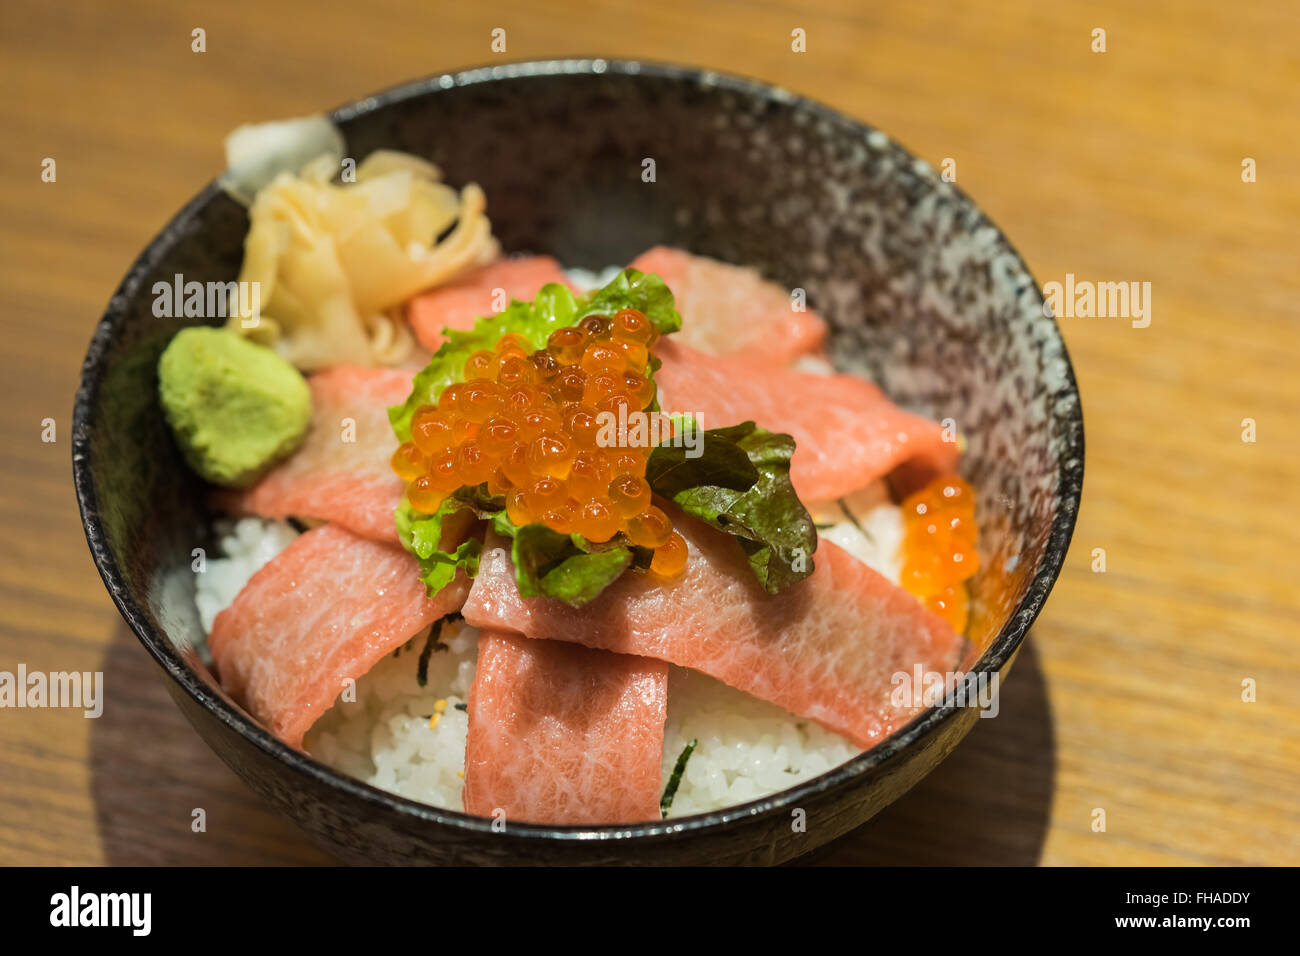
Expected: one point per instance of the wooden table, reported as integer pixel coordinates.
(1117, 166)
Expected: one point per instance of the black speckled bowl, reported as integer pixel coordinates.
(924, 294)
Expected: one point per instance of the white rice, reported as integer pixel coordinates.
(746, 748)
(245, 546)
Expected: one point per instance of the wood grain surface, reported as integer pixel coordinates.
(1117, 166)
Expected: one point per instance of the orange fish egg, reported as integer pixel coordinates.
(463, 430)
(602, 385)
(939, 547)
(498, 436)
(442, 471)
(499, 483)
(580, 422)
(480, 401)
(516, 369)
(598, 521)
(635, 355)
(629, 494)
(589, 475)
(650, 529)
(424, 496)
(544, 418)
(562, 518)
(473, 465)
(670, 558)
(601, 357)
(629, 325)
(513, 342)
(551, 453)
(567, 345)
(545, 365)
(514, 463)
(517, 507)
(570, 384)
(596, 327)
(408, 462)
(639, 389)
(430, 430)
(482, 364)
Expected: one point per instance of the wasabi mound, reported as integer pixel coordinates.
(235, 407)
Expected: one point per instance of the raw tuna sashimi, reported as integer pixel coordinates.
(457, 304)
(847, 433)
(826, 648)
(730, 309)
(559, 733)
(342, 471)
(321, 612)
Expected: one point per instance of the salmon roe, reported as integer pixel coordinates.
(528, 422)
(939, 555)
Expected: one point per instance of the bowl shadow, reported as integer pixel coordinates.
(987, 804)
(150, 772)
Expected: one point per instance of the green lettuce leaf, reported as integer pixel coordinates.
(762, 511)
(722, 464)
(422, 535)
(632, 289)
(550, 564)
(547, 563)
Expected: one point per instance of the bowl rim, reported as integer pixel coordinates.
(996, 656)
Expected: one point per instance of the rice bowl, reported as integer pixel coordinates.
(386, 812)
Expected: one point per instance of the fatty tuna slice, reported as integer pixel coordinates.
(559, 733)
(321, 612)
(730, 309)
(341, 473)
(457, 304)
(847, 432)
(826, 648)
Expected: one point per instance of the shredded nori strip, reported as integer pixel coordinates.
(464, 707)
(433, 643)
(854, 518)
(675, 780)
(422, 669)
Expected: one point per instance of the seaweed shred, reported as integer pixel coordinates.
(854, 518)
(675, 779)
(432, 643)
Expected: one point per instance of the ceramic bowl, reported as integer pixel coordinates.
(923, 294)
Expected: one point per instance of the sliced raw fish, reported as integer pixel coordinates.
(323, 611)
(457, 304)
(341, 472)
(730, 309)
(847, 432)
(559, 733)
(826, 648)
